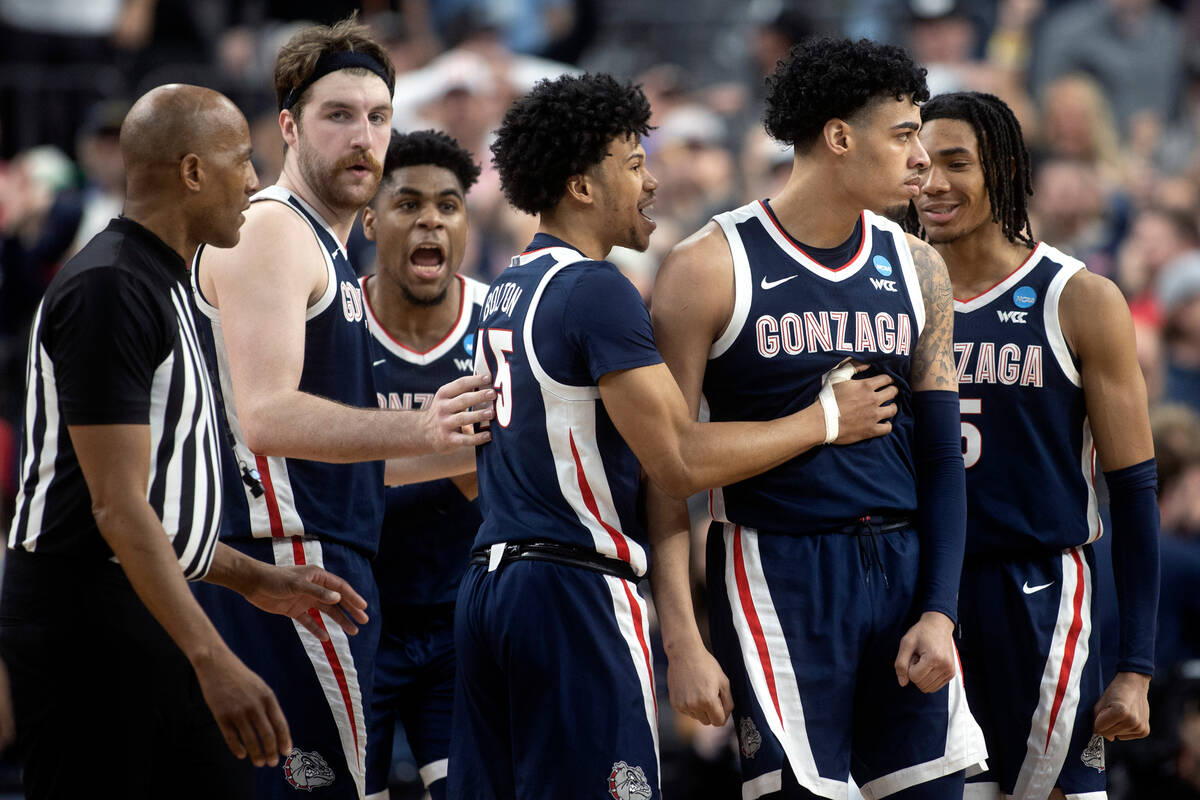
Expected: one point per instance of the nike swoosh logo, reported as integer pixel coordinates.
(772, 284)
(377, 363)
(1027, 589)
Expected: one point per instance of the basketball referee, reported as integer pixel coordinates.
(122, 686)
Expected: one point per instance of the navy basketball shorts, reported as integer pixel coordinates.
(555, 694)
(1031, 655)
(807, 629)
(321, 686)
(414, 685)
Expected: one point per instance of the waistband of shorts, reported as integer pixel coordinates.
(868, 523)
(555, 553)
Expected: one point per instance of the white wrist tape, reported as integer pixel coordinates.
(844, 371)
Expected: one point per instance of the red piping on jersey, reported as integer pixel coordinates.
(1064, 673)
(273, 515)
(636, 610)
(327, 645)
(1002, 280)
(800, 247)
(760, 641)
(589, 500)
(462, 302)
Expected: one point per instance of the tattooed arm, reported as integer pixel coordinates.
(933, 360)
(926, 656)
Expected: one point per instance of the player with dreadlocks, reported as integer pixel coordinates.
(1048, 380)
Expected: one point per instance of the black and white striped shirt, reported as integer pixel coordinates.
(114, 342)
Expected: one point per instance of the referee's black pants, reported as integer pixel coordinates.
(106, 704)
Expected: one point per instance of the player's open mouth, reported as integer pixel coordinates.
(360, 169)
(643, 209)
(427, 259)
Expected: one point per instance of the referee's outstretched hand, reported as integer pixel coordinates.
(303, 592)
(244, 707)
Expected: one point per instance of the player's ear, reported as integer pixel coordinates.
(369, 223)
(580, 188)
(289, 127)
(191, 172)
(836, 135)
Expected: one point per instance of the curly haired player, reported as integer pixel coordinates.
(555, 696)
(833, 578)
(1049, 376)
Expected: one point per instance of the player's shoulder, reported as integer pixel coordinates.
(704, 253)
(1087, 291)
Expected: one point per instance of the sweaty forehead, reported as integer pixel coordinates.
(346, 87)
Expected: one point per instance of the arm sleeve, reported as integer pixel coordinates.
(106, 335)
(941, 499)
(1134, 508)
(607, 323)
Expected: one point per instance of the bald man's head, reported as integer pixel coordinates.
(187, 156)
(170, 121)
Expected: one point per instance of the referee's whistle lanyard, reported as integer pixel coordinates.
(868, 549)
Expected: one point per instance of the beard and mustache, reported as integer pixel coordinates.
(323, 178)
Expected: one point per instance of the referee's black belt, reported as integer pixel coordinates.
(556, 553)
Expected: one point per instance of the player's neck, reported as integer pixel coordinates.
(417, 327)
(575, 230)
(340, 221)
(812, 209)
(981, 259)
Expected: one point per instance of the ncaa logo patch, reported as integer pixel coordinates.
(1024, 297)
(882, 266)
(1093, 754)
(307, 771)
(469, 344)
(628, 783)
(749, 737)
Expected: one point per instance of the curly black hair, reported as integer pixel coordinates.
(562, 128)
(826, 78)
(430, 147)
(1000, 146)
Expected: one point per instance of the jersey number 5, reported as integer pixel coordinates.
(971, 437)
(501, 342)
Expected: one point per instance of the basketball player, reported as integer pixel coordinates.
(422, 315)
(555, 690)
(1049, 380)
(834, 576)
(292, 347)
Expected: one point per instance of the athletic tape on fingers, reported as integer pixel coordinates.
(844, 371)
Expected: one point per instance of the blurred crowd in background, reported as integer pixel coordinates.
(1107, 91)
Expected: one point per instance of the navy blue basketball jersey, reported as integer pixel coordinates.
(794, 320)
(1027, 443)
(297, 497)
(428, 527)
(552, 324)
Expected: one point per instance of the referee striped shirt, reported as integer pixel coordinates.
(115, 342)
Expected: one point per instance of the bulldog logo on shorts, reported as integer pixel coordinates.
(1093, 754)
(749, 736)
(628, 783)
(307, 771)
